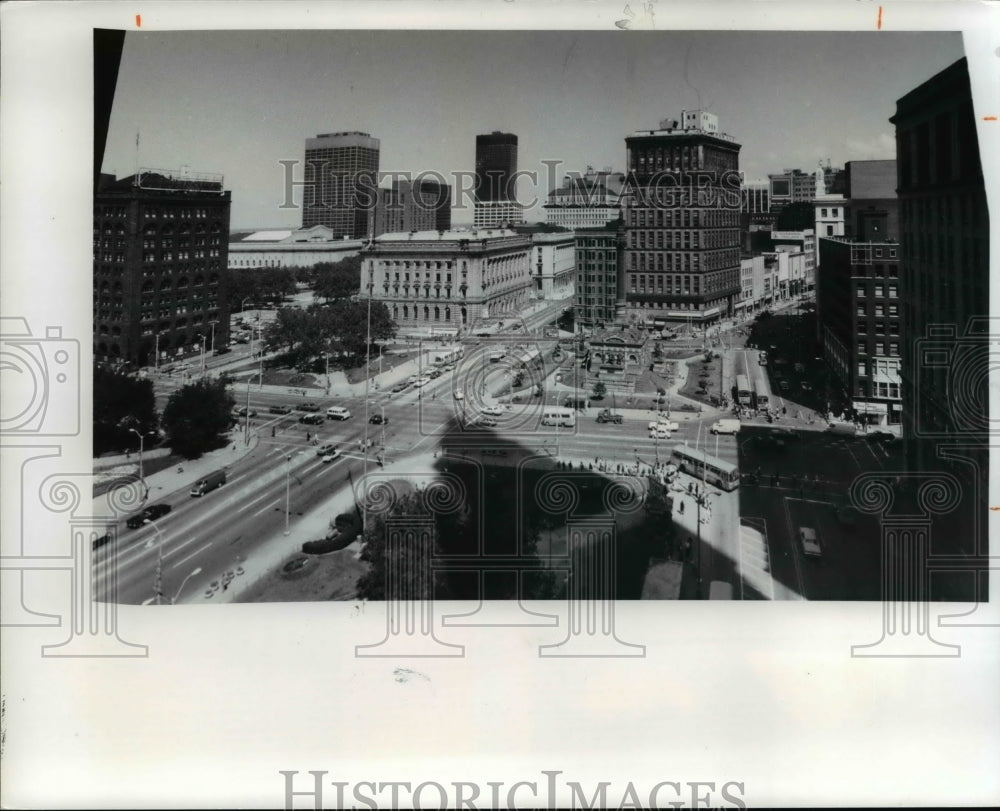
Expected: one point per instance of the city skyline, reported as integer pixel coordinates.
(570, 97)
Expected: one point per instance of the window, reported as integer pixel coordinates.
(879, 291)
(823, 212)
(893, 291)
(862, 350)
(835, 212)
(829, 230)
(861, 291)
(894, 349)
(893, 309)
(892, 253)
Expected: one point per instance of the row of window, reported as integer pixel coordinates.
(170, 213)
(878, 291)
(879, 348)
(682, 218)
(683, 240)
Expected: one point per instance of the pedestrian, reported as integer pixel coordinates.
(128, 455)
(681, 508)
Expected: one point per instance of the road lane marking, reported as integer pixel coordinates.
(197, 552)
(266, 508)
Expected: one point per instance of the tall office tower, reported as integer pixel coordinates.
(944, 276)
(341, 180)
(682, 223)
(161, 243)
(496, 163)
(437, 196)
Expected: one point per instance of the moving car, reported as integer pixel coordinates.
(331, 455)
(151, 513)
(487, 422)
(783, 385)
(492, 410)
(459, 395)
(338, 413)
(311, 419)
(669, 425)
(809, 541)
(243, 412)
(659, 432)
(280, 409)
(434, 374)
(210, 482)
(378, 419)
(806, 385)
(880, 436)
(725, 427)
(323, 450)
(421, 381)
(401, 386)
(311, 407)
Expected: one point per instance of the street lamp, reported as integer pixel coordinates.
(179, 589)
(141, 437)
(246, 432)
(243, 305)
(288, 460)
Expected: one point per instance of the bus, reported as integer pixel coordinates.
(709, 469)
(743, 390)
(554, 415)
(763, 398)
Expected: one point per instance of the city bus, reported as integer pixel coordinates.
(763, 398)
(709, 469)
(554, 415)
(743, 390)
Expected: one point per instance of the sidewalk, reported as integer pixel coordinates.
(172, 479)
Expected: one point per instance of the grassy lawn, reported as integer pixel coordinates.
(697, 371)
(390, 360)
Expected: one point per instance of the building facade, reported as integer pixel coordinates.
(944, 273)
(554, 265)
(408, 206)
(341, 182)
(860, 313)
(872, 208)
(799, 242)
(496, 165)
(448, 281)
(791, 186)
(682, 225)
(304, 247)
(497, 214)
(588, 201)
(598, 259)
(160, 266)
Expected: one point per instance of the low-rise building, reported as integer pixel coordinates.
(283, 248)
(448, 280)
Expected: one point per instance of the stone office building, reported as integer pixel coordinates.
(446, 281)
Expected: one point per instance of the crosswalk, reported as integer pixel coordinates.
(755, 558)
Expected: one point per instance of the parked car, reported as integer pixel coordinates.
(809, 541)
(312, 419)
(378, 419)
(243, 412)
(421, 381)
(401, 386)
(880, 436)
(223, 350)
(783, 385)
(488, 422)
(434, 374)
(280, 409)
(151, 513)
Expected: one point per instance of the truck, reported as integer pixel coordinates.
(726, 427)
(607, 415)
(209, 483)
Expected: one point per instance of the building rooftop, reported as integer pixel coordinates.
(453, 235)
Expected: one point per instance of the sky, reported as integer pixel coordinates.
(239, 102)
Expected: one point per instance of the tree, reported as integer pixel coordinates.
(337, 280)
(198, 415)
(121, 402)
(408, 556)
(600, 389)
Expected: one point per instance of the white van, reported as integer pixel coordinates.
(338, 413)
(553, 415)
(726, 427)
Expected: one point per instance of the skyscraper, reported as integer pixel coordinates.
(496, 163)
(682, 223)
(495, 193)
(341, 180)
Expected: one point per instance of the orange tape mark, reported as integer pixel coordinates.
(879, 25)
(989, 118)
(138, 21)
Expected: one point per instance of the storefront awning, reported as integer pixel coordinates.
(870, 408)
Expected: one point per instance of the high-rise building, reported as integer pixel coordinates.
(682, 224)
(341, 183)
(496, 164)
(944, 277)
(408, 206)
(160, 266)
(791, 186)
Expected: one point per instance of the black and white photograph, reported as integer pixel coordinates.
(432, 356)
